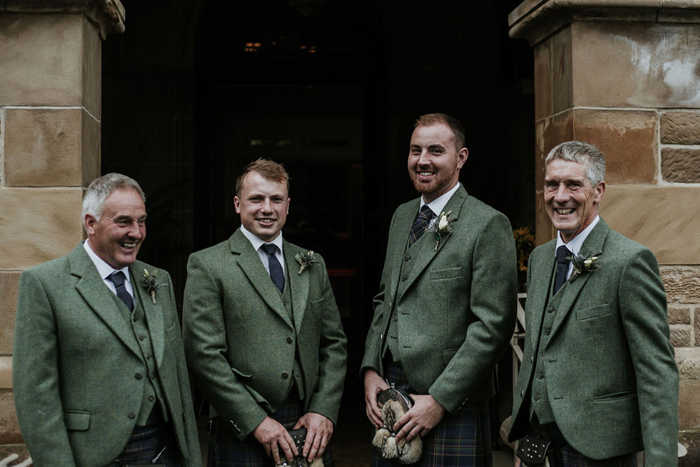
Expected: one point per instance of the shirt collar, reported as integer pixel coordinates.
(104, 269)
(574, 246)
(257, 242)
(438, 204)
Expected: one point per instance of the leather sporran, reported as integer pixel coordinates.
(395, 403)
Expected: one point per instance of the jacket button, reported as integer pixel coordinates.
(151, 398)
(537, 398)
(138, 376)
(540, 376)
(285, 375)
(289, 340)
(285, 303)
(142, 337)
(522, 393)
(131, 415)
(395, 318)
(546, 332)
(403, 278)
(407, 258)
(550, 309)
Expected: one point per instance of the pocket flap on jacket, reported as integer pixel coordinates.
(76, 420)
(445, 273)
(593, 312)
(241, 374)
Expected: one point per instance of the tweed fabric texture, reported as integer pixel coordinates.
(226, 450)
(462, 439)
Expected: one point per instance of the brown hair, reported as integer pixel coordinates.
(452, 123)
(268, 169)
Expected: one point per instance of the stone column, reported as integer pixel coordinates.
(50, 94)
(625, 76)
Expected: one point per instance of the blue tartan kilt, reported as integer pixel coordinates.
(146, 443)
(572, 458)
(226, 450)
(462, 439)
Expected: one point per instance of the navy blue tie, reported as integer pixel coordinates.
(118, 279)
(420, 225)
(562, 267)
(276, 272)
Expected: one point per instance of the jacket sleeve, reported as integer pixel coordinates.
(373, 342)
(205, 348)
(332, 357)
(493, 302)
(194, 458)
(643, 310)
(35, 376)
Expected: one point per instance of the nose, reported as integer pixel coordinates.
(424, 159)
(135, 230)
(267, 205)
(562, 194)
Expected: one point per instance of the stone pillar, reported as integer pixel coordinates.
(624, 75)
(50, 94)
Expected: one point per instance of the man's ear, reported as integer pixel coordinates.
(599, 192)
(237, 204)
(89, 221)
(462, 157)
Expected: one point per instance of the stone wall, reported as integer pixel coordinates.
(50, 106)
(623, 76)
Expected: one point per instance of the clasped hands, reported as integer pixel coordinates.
(418, 421)
(275, 438)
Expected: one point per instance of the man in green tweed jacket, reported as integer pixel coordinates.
(263, 337)
(446, 305)
(99, 369)
(598, 379)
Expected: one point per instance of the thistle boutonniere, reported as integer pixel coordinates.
(583, 263)
(305, 260)
(150, 280)
(442, 228)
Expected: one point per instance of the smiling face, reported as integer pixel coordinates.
(570, 199)
(263, 205)
(433, 160)
(117, 236)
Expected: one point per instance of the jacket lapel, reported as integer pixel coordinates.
(427, 251)
(593, 244)
(299, 284)
(153, 312)
(538, 292)
(253, 268)
(98, 296)
(403, 229)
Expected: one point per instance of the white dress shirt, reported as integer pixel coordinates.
(257, 243)
(574, 246)
(105, 270)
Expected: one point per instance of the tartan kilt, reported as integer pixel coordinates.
(462, 439)
(572, 458)
(146, 443)
(226, 450)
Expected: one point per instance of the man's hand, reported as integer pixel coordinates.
(319, 430)
(374, 384)
(273, 436)
(423, 416)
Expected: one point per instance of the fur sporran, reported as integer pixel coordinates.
(395, 403)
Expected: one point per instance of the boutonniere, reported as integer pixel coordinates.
(442, 228)
(583, 263)
(150, 280)
(305, 260)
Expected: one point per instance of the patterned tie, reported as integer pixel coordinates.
(420, 224)
(118, 279)
(276, 273)
(562, 267)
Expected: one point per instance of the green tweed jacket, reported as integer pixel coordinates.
(457, 310)
(241, 343)
(75, 360)
(611, 374)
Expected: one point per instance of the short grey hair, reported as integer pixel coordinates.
(582, 153)
(101, 188)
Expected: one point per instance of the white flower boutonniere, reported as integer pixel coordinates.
(442, 228)
(583, 263)
(305, 260)
(150, 280)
